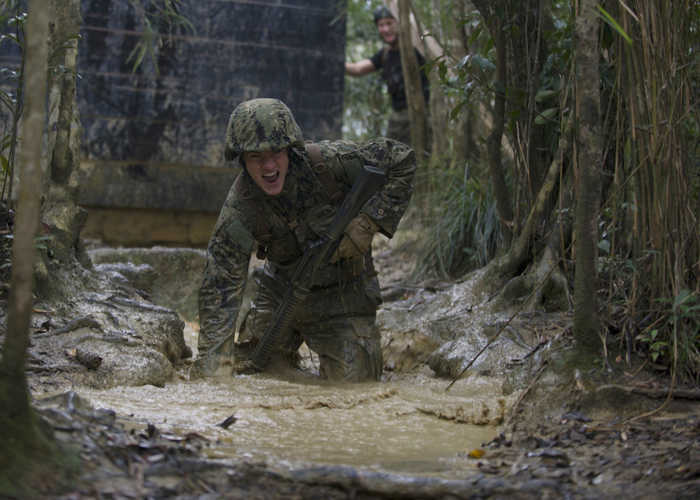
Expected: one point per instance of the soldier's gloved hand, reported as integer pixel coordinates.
(205, 365)
(357, 238)
(244, 367)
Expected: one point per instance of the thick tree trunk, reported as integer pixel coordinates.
(60, 212)
(64, 49)
(588, 147)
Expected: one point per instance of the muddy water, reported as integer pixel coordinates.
(404, 425)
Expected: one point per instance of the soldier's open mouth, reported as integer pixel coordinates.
(271, 177)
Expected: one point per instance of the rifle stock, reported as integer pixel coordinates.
(318, 253)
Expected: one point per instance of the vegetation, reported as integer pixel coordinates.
(527, 125)
(43, 43)
(569, 167)
(31, 460)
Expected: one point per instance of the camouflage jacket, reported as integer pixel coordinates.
(280, 227)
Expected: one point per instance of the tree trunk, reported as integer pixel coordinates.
(26, 222)
(412, 81)
(588, 146)
(439, 108)
(61, 215)
(64, 49)
(20, 434)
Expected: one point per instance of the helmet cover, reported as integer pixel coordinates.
(261, 125)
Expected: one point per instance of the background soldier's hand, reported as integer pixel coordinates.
(357, 239)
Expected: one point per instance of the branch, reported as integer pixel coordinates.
(692, 394)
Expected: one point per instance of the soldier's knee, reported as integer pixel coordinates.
(357, 363)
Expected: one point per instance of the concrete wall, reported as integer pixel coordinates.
(153, 141)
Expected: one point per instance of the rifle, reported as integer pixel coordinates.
(317, 253)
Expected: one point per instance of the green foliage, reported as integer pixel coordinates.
(161, 21)
(667, 329)
(656, 346)
(469, 78)
(649, 245)
(677, 340)
(463, 231)
(614, 24)
(685, 324)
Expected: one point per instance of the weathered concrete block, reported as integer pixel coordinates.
(239, 50)
(152, 141)
(136, 185)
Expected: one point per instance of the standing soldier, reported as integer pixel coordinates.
(388, 61)
(284, 200)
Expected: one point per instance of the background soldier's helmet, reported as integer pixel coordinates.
(261, 125)
(382, 12)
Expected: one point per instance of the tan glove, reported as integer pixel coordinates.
(357, 239)
(244, 367)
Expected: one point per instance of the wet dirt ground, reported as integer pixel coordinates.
(570, 457)
(609, 435)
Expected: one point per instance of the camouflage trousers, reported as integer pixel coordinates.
(399, 128)
(337, 323)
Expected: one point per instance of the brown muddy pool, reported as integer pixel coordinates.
(406, 424)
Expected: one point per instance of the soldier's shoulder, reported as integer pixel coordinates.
(337, 147)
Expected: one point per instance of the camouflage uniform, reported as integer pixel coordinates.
(337, 319)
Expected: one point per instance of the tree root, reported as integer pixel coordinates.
(655, 393)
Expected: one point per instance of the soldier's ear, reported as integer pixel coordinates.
(237, 163)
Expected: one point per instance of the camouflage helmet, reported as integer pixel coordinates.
(382, 12)
(261, 125)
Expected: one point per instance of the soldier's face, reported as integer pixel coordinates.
(268, 169)
(387, 30)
